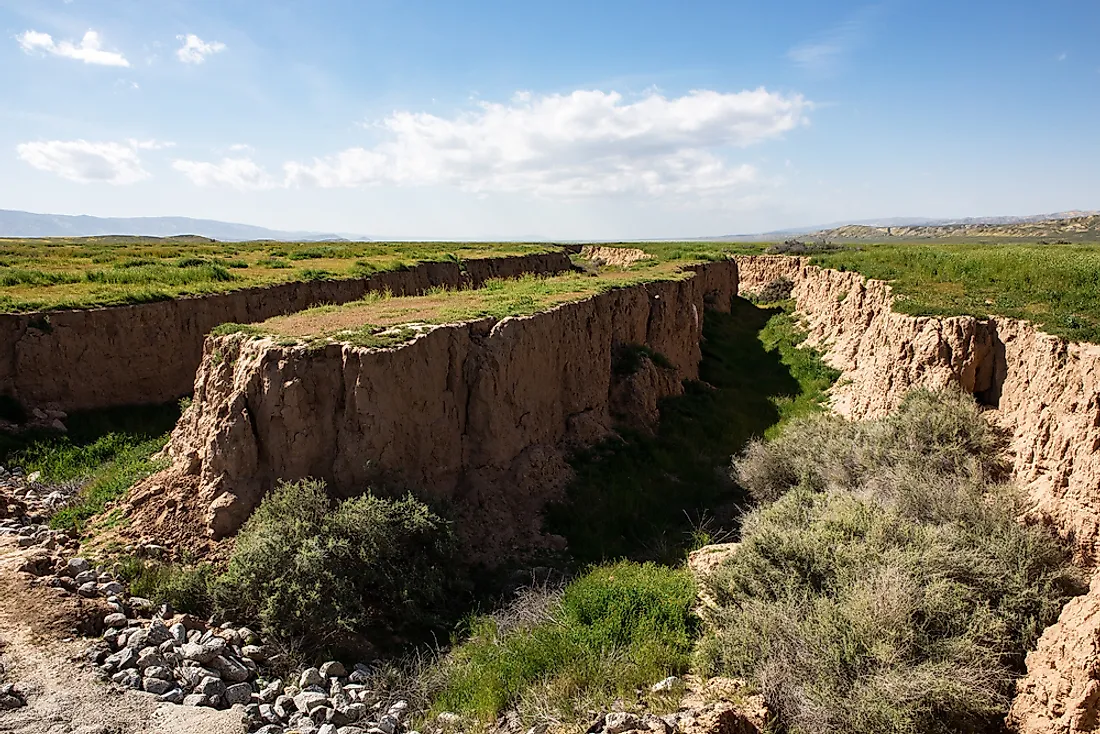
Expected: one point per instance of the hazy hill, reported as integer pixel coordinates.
(28, 224)
(910, 223)
(1086, 226)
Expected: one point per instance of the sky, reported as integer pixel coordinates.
(596, 119)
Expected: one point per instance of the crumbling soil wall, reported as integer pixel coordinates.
(148, 353)
(1044, 391)
(477, 415)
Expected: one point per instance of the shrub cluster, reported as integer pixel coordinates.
(324, 572)
(885, 584)
(777, 290)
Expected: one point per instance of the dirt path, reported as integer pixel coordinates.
(41, 655)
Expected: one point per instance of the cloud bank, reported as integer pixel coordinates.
(90, 162)
(90, 50)
(581, 144)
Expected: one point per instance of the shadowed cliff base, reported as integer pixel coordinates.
(651, 497)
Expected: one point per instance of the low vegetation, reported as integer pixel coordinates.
(1055, 285)
(556, 655)
(884, 584)
(103, 454)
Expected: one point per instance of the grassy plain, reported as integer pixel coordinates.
(1057, 286)
(41, 274)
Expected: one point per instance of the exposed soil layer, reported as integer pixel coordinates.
(478, 415)
(1044, 391)
(148, 353)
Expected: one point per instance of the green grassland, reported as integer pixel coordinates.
(40, 274)
(1057, 286)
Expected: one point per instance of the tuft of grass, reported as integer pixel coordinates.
(232, 328)
(18, 276)
(109, 482)
(185, 272)
(613, 630)
(186, 588)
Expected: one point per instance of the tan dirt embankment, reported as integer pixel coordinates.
(148, 353)
(480, 415)
(1044, 391)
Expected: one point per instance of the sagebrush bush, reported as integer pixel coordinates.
(885, 585)
(322, 571)
(554, 655)
(931, 434)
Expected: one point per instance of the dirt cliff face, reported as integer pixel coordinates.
(148, 353)
(478, 415)
(1044, 391)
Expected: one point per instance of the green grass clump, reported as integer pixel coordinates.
(640, 497)
(613, 630)
(887, 586)
(324, 572)
(186, 272)
(109, 482)
(18, 276)
(188, 589)
(1056, 286)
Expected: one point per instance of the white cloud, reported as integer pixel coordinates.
(584, 143)
(87, 162)
(89, 51)
(1063, 56)
(195, 50)
(243, 174)
(241, 148)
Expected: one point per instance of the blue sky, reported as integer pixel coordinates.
(597, 119)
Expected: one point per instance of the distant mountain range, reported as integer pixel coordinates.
(28, 224)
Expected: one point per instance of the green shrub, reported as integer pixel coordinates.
(887, 587)
(558, 654)
(309, 568)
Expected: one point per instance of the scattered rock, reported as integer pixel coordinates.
(11, 698)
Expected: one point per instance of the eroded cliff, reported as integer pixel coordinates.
(148, 353)
(1043, 391)
(478, 415)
